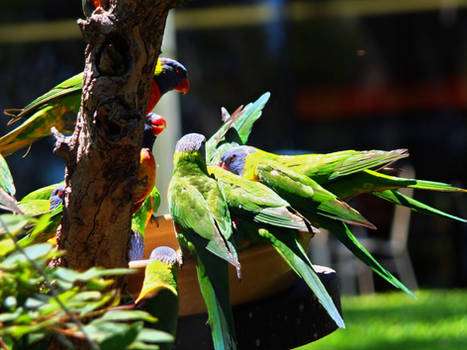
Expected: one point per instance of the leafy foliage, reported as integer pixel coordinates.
(38, 301)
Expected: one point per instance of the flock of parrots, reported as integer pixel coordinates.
(224, 196)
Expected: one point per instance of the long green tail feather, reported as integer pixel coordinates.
(435, 186)
(235, 129)
(292, 252)
(419, 207)
(345, 236)
(375, 159)
(280, 217)
(214, 285)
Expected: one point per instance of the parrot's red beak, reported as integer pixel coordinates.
(158, 125)
(183, 86)
(223, 166)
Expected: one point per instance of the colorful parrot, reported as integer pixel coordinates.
(204, 230)
(36, 203)
(59, 106)
(153, 126)
(257, 202)
(159, 293)
(305, 194)
(345, 177)
(258, 215)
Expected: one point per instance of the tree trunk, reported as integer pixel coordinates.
(102, 156)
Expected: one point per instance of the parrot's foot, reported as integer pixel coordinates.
(179, 258)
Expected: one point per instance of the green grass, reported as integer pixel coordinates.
(437, 319)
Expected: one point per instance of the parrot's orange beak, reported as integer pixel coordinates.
(158, 125)
(183, 86)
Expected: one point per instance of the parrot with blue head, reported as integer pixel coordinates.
(59, 107)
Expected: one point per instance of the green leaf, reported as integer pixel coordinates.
(10, 316)
(128, 315)
(6, 180)
(154, 336)
(14, 223)
(33, 252)
(137, 345)
(112, 335)
(94, 272)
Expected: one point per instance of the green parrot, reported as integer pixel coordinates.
(59, 106)
(257, 202)
(159, 293)
(260, 215)
(305, 194)
(204, 229)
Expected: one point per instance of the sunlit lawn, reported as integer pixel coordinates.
(437, 319)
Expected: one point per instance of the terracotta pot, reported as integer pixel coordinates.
(264, 272)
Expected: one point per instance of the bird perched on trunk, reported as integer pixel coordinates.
(204, 230)
(153, 126)
(145, 186)
(59, 106)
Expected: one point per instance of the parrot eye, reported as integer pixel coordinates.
(232, 159)
(60, 193)
(177, 70)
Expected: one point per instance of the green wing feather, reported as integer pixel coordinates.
(60, 115)
(326, 167)
(303, 193)
(69, 86)
(236, 129)
(417, 206)
(286, 243)
(192, 211)
(213, 282)
(345, 236)
(262, 203)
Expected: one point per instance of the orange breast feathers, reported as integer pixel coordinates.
(146, 178)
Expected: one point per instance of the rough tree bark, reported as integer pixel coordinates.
(123, 43)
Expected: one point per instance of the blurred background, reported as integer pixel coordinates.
(355, 74)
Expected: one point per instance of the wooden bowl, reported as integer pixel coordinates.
(264, 272)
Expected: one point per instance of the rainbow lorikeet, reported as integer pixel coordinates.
(59, 106)
(306, 195)
(51, 197)
(159, 293)
(260, 215)
(343, 174)
(153, 126)
(204, 230)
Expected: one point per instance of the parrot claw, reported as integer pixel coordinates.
(179, 258)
